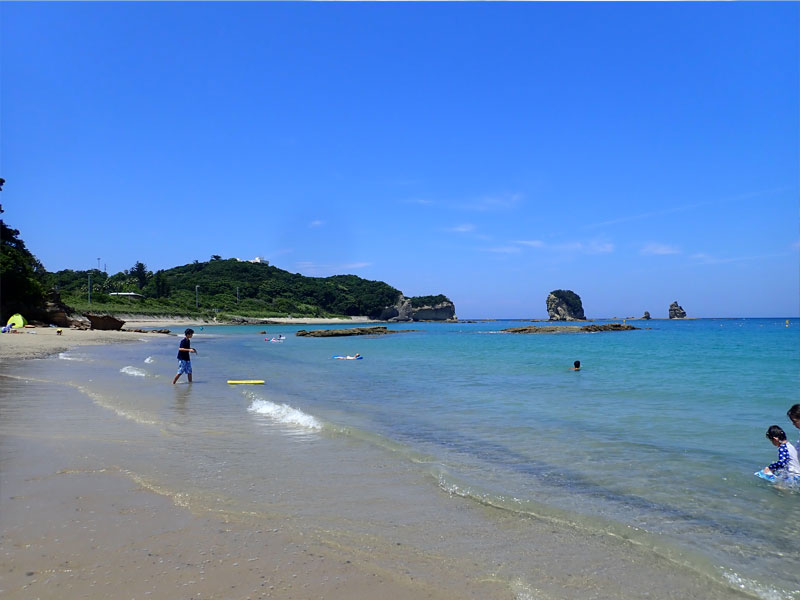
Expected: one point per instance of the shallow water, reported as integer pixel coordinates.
(654, 441)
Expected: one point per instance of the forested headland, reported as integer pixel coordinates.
(225, 286)
(215, 288)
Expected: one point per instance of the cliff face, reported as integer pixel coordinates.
(676, 311)
(565, 305)
(404, 311)
(56, 312)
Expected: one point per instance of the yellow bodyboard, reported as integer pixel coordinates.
(253, 381)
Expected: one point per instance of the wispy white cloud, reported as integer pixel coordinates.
(316, 223)
(494, 203)
(685, 207)
(590, 247)
(708, 259)
(596, 247)
(419, 201)
(312, 268)
(587, 247)
(463, 228)
(659, 249)
(505, 249)
(531, 243)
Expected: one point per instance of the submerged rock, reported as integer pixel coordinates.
(571, 328)
(377, 330)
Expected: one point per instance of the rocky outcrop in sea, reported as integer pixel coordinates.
(676, 311)
(571, 328)
(565, 305)
(403, 310)
(377, 330)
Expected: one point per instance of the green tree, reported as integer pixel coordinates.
(21, 275)
(140, 272)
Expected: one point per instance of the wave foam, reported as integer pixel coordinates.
(283, 413)
(66, 356)
(149, 360)
(133, 371)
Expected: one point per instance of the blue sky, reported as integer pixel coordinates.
(634, 153)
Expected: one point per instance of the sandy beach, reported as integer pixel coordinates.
(38, 342)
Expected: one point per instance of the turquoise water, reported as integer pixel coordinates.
(654, 440)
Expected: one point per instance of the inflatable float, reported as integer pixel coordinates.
(246, 381)
(794, 480)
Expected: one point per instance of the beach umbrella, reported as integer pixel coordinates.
(17, 320)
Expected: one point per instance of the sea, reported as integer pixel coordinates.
(653, 443)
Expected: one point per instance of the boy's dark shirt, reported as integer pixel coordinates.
(183, 354)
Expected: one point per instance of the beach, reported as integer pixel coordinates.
(116, 484)
(38, 342)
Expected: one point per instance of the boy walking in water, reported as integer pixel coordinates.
(787, 464)
(184, 359)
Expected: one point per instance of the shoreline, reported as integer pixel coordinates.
(43, 341)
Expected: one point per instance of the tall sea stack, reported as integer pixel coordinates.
(565, 305)
(676, 311)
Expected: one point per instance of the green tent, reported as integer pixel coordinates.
(17, 320)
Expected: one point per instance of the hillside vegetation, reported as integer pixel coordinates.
(224, 286)
(217, 287)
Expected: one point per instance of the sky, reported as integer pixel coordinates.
(634, 153)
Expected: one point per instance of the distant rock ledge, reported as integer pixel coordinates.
(378, 330)
(571, 328)
(404, 310)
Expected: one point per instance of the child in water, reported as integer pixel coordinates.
(787, 464)
(184, 358)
